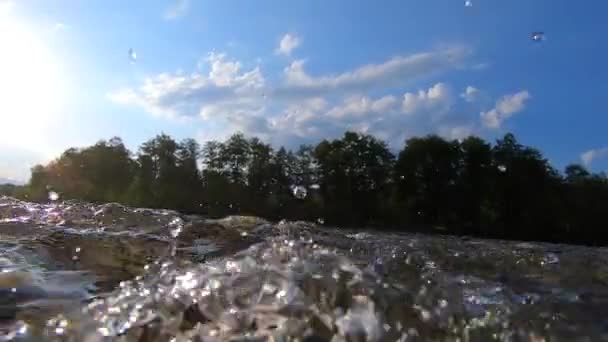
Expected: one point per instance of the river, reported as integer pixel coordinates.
(73, 271)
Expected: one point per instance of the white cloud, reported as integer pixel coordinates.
(457, 132)
(395, 71)
(302, 108)
(414, 102)
(384, 104)
(288, 43)
(59, 27)
(225, 88)
(504, 109)
(470, 94)
(363, 105)
(177, 10)
(589, 156)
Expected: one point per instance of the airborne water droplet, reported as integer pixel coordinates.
(299, 192)
(320, 220)
(502, 168)
(538, 36)
(468, 3)
(53, 196)
(132, 56)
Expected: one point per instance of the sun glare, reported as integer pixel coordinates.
(31, 88)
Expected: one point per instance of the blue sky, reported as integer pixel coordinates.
(297, 72)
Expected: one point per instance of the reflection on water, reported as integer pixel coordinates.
(79, 272)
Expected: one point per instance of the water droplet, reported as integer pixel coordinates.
(53, 196)
(299, 192)
(176, 226)
(468, 3)
(502, 168)
(132, 56)
(320, 220)
(77, 249)
(244, 234)
(537, 36)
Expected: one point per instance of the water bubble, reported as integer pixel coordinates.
(132, 56)
(538, 36)
(53, 196)
(468, 3)
(299, 192)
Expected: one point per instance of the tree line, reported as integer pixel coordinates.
(500, 190)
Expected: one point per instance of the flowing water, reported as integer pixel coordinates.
(74, 271)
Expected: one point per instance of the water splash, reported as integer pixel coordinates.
(299, 192)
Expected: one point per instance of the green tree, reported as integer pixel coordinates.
(526, 191)
(585, 196)
(188, 184)
(354, 174)
(474, 184)
(259, 177)
(426, 173)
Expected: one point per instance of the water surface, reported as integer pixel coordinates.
(75, 271)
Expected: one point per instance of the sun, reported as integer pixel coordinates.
(31, 90)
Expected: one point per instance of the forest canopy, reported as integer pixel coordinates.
(470, 186)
